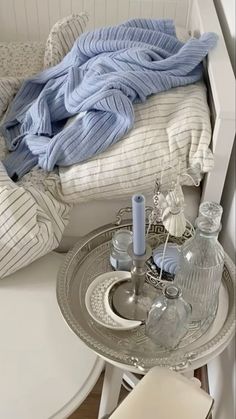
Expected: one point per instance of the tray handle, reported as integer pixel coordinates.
(186, 363)
(128, 210)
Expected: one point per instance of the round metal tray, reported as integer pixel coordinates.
(132, 349)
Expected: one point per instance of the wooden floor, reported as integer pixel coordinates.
(89, 408)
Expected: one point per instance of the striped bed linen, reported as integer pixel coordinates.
(62, 36)
(32, 219)
(8, 88)
(35, 211)
(171, 129)
(32, 222)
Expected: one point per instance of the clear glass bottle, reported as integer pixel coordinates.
(201, 264)
(119, 258)
(168, 318)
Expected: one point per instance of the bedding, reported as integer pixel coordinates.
(18, 60)
(62, 36)
(34, 211)
(171, 130)
(104, 73)
(32, 222)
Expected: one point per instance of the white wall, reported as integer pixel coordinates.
(222, 370)
(32, 19)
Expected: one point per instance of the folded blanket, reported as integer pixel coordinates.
(106, 71)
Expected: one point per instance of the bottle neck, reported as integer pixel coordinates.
(204, 234)
(207, 228)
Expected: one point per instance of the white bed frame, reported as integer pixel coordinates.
(31, 19)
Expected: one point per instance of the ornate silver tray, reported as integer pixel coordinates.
(132, 349)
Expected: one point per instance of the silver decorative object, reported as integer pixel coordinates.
(132, 299)
(90, 258)
(157, 201)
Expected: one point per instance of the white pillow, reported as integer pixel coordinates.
(171, 128)
(62, 37)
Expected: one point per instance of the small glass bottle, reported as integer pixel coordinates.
(168, 318)
(201, 264)
(119, 258)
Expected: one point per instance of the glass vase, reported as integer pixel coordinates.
(201, 264)
(168, 318)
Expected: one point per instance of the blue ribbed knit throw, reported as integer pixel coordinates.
(106, 71)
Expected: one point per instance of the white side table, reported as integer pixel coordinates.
(45, 370)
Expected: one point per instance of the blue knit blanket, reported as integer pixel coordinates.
(106, 71)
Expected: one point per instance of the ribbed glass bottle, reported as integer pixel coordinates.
(201, 264)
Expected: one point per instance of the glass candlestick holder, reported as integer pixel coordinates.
(133, 298)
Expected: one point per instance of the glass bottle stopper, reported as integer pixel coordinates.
(209, 216)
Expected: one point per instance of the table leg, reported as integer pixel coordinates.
(130, 379)
(110, 390)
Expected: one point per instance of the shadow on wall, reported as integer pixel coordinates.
(227, 235)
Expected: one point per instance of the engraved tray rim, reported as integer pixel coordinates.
(184, 361)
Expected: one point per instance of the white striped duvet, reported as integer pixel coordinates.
(32, 222)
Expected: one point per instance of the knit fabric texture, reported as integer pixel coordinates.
(106, 71)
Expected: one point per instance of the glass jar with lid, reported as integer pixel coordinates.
(168, 318)
(119, 258)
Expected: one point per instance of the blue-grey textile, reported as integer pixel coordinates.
(106, 71)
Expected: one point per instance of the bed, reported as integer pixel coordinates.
(53, 222)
